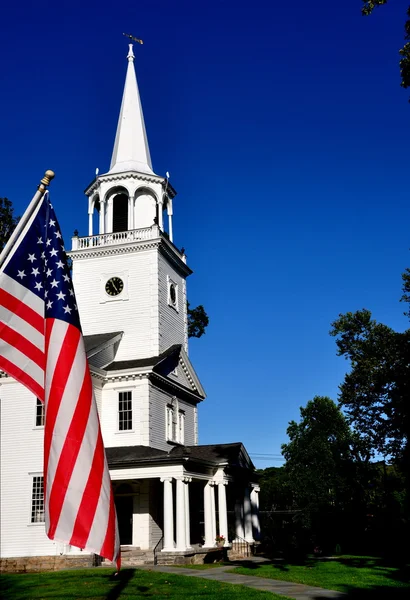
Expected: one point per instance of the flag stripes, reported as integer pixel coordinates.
(41, 346)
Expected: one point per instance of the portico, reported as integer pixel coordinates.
(190, 492)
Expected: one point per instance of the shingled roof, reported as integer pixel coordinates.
(233, 454)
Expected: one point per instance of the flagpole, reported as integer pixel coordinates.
(42, 187)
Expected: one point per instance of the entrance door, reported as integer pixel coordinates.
(124, 506)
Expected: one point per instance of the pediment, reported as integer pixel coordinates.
(177, 367)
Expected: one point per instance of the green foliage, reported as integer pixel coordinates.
(367, 9)
(375, 392)
(7, 221)
(318, 455)
(198, 321)
(275, 493)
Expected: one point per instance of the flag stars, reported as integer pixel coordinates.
(71, 292)
(54, 283)
(52, 223)
(60, 264)
(66, 277)
(38, 286)
(21, 274)
(61, 296)
(35, 272)
(48, 242)
(53, 252)
(49, 272)
(39, 240)
(49, 304)
(57, 234)
(67, 309)
(32, 258)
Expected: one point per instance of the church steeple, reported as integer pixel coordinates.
(131, 151)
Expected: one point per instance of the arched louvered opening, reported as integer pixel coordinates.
(120, 213)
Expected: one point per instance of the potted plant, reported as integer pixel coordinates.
(220, 541)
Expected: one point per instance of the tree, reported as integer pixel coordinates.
(375, 392)
(7, 221)
(318, 455)
(198, 321)
(369, 6)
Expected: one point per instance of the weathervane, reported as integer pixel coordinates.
(134, 39)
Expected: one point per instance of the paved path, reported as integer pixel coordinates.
(285, 588)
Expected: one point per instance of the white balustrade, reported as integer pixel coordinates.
(113, 239)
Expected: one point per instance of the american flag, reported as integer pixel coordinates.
(41, 346)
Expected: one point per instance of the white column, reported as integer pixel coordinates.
(181, 517)
(223, 514)
(209, 518)
(90, 223)
(168, 515)
(213, 512)
(160, 215)
(247, 516)
(102, 216)
(130, 212)
(255, 512)
(239, 519)
(170, 213)
(187, 514)
(109, 220)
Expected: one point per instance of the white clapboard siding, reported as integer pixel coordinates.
(155, 511)
(158, 402)
(21, 457)
(139, 435)
(171, 320)
(135, 311)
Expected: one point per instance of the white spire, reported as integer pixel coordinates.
(131, 151)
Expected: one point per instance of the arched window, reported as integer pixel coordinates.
(120, 213)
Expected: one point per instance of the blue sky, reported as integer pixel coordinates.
(284, 128)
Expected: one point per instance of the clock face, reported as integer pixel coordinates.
(114, 286)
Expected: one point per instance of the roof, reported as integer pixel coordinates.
(131, 454)
(214, 453)
(137, 363)
(131, 151)
(233, 454)
(92, 342)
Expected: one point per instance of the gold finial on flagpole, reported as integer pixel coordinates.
(134, 39)
(48, 176)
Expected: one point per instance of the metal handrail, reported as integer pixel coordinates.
(161, 539)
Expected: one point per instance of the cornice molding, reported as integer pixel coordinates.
(137, 246)
(112, 177)
(164, 246)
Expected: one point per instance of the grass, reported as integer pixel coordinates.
(345, 574)
(99, 584)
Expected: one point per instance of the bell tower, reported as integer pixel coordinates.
(129, 276)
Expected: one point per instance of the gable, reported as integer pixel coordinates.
(177, 367)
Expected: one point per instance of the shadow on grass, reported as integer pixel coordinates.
(122, 579)
(374, 593)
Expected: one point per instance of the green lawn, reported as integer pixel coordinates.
(345, 574)
(99, 584)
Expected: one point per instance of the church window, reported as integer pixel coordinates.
(40, 413)
(170, 424)
(37, 500)
(125, 411)
(181, 426)
(120, 213)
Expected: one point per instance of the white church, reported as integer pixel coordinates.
(173, 496)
